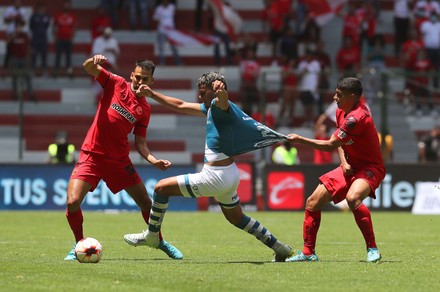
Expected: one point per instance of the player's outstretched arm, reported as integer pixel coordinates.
(324, 145)
(142, 148)
(92, 65)
(172, 103)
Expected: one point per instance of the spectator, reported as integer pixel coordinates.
(368, 20)
(285, 154)
(20, 61)
(61, 151)
(419, 81)
(111, 8)
(429, 146)
(351, 25)
(227, 25)
(39, 24)
(64, 31)
(402, 15)
(431, 38)
(309, 71)
(410, 48)
(164, 15)
(310, 34)
(249, 73)
(319, 156)
(273, 17)
(99, 22)
(348, 58)
(289, 92)
(141, 7)
(376, 65)
(324, 84)
(13, 14)
(289, 45)
(108, 46)
(245, 43)
(198, 20)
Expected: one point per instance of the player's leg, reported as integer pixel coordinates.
(152, 236)
(234, 214)
(312, 220)
(139, 194)
(359, 190)
(76, 191)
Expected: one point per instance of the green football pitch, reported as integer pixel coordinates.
(218, 256)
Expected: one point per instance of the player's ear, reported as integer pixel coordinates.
(152, 80)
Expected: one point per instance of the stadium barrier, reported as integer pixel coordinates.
(284, 188)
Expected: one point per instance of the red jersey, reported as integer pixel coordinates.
(410, 49)
(421, 66)
(20, 45)
(65, 23)
(358, 134)
(348, 57)
(119, 113)
(98, 25)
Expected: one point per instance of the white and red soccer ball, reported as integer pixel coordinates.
(88, 250)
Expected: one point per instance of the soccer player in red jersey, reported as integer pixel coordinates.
(360, 173)
(105, 151)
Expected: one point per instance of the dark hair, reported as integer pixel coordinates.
(209, 77)
(350, 85)
(145, 64)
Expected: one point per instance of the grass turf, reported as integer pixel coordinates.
(218, 256)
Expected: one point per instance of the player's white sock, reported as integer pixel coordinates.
(158, 209)
(254, 227)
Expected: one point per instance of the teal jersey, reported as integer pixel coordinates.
(233, 132)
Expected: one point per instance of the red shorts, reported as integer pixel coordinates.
(338, 184)
(118, 174)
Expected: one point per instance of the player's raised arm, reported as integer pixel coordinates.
(221, 94)
(172, 103)
(92, 65)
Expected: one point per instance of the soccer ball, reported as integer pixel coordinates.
(88, 250)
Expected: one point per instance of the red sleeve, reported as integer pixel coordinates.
(141, 127)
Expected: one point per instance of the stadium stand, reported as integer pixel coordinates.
(68, 103)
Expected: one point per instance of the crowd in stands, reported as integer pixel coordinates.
(297, 46)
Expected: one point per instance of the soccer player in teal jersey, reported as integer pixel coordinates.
(229, 132)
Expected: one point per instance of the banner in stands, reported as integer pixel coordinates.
(287, 188)
(43, 187)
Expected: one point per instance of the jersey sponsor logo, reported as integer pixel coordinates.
(342, 134)
(286, 190)
(139, 110)
(123, 112)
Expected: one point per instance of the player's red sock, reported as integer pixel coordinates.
(363, 219)
(312, 220)
(146, 215)
(75, 220)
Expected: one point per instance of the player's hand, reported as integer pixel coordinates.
(162, 164)
(144, 90)
(293, 138)
(347, 169)
(99, 59)
(219, 88)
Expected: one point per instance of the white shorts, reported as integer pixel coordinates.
(220, 182)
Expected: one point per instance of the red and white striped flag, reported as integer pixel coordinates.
(324, 10)
(188, 38)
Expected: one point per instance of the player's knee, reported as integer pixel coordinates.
(353, 201)
(159, 187)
